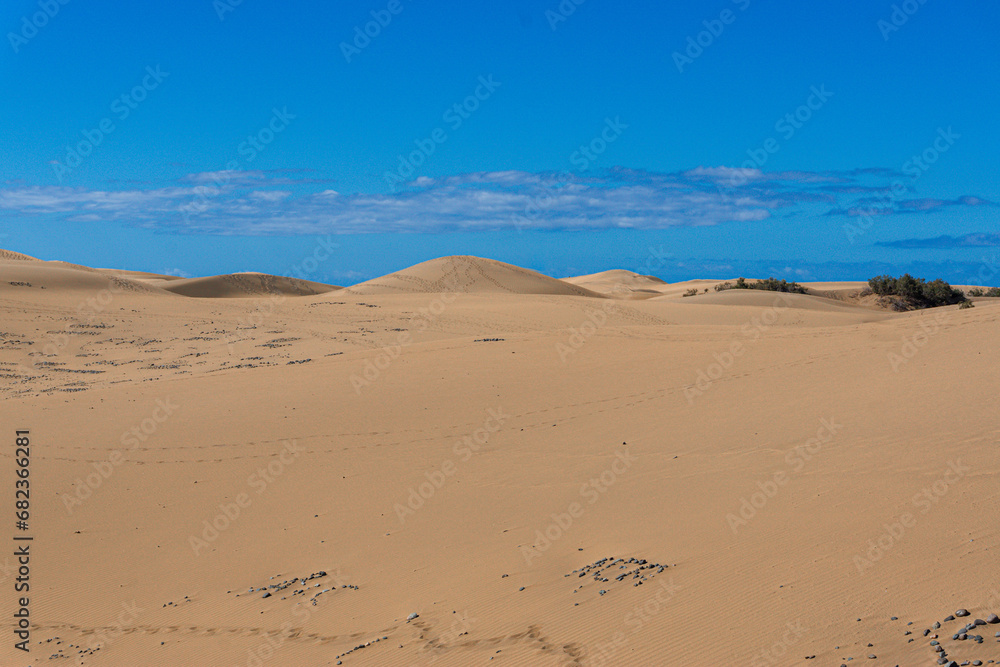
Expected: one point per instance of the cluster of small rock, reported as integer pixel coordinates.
(272, 589)
(358, 648)
(174, 604)
(636, 570)
(966, 633)
(80, 651)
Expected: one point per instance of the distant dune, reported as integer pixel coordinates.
(63, 277)
(11, 255)
(620, 283)
(141, 276)
(746, 297)
(466, 274)
(236, 285)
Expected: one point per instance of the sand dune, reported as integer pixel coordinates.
(243, 285)
(11, 255)
(619, 283)
(746, 297)
(141, 276)
(501, 478)
(63, 277)
(465, 274)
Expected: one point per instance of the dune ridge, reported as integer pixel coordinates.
(467, 274)
(236, 285)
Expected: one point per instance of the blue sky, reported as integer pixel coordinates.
(831, 140)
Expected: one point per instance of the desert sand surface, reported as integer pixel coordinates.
(470, 463)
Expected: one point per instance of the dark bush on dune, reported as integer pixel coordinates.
(769, 285)
(916, 292)
(976, 291)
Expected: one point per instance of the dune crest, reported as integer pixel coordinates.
(467, 274)
(63, 277)
(6, 255)
(236, 285)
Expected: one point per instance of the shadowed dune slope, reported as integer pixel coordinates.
(244, 285)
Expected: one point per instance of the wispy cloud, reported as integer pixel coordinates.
(889, 205)
(975, 240)
(277, 202)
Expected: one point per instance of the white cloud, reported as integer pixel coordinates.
(247, 202)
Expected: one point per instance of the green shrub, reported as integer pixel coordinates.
(769, 285)
(966, 304)
(975, 291)
(915, 292)
(993, 291)
(691, 292)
